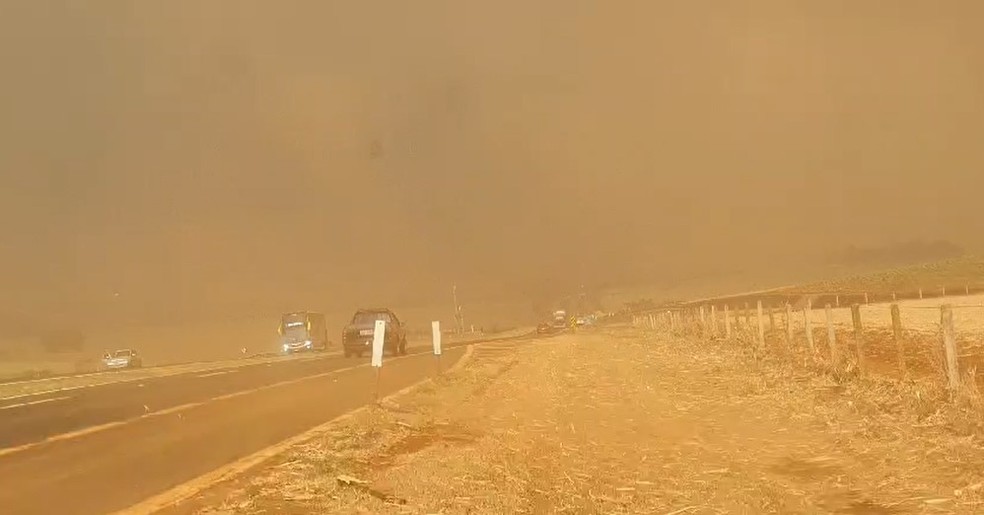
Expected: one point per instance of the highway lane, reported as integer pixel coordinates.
(113, 469)
(36, 418)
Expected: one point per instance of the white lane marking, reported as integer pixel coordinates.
(181, 408)
(143, 378)
(219, 373)
(195, 486)
(34, 403)
(57, 438)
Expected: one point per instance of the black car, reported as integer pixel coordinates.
(358, 334)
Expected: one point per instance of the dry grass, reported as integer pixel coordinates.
(626, 422)
(951, 273)
(921, 344)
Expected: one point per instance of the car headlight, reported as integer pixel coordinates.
(286, 347)
(307, 344)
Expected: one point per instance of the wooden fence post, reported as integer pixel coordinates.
(789, 325)
(837, 300)
(727, 321)
(772, 318)
(966, 289)
(703, 322)
(858, 335)
(761, 325)
(920, 294)
(832, 337)
(897, 335)
(807, 315)
(895, 297)
(950, 347)
(944, 290)
(865, 298)
(714, 321)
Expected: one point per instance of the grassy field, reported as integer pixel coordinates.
(955, 274)
(958, 276)
(919, 347)
(622, 421)
(917, 355)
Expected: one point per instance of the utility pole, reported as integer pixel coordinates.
(458, 317)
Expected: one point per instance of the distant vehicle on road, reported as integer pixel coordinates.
(358, 334)
(303, 332)
(560, 321)
(544, 328)
(123, 358)
(585, 321)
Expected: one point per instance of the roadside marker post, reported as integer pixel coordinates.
(378, 337)
(436, 332)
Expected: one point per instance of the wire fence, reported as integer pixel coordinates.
(939, 339)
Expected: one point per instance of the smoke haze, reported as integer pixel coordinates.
(219, 157)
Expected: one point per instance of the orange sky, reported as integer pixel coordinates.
(198, 156)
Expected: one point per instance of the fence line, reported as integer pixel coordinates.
(867, 344)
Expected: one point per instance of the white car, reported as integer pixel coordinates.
(123, 358)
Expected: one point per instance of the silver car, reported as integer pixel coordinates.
(124, 358)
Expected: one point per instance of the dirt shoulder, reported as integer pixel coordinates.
(619, 421)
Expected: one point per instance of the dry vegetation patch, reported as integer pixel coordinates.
(627, 422)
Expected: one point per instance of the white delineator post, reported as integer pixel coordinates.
(378, 337)
(436, 335)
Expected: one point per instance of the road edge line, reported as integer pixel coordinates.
(137, 379)
(195, 486)
(182, 407)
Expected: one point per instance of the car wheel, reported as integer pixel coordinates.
(403, 347)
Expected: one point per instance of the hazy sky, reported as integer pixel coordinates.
(193, 155)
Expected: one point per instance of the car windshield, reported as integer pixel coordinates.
(370, 317)
(294, 319)
(122, 354)
(296, 333)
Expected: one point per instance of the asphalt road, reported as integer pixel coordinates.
(166, 431)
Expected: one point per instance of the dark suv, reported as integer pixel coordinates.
(357, 335)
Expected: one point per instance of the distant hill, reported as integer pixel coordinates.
(905, 253)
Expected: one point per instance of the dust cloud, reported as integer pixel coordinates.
(174, 161)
